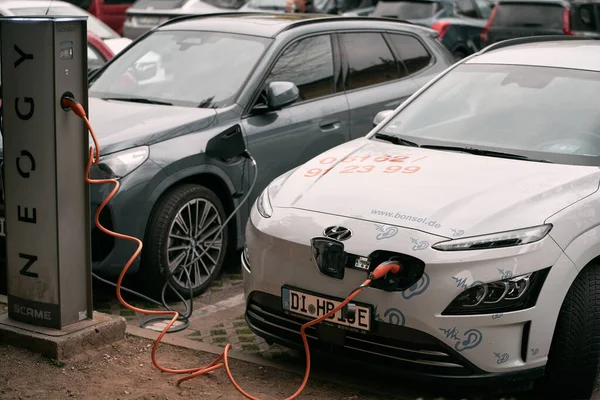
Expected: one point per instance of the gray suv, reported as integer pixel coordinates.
(295, 86)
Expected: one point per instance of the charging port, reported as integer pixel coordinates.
(66, 95)
(410, 272)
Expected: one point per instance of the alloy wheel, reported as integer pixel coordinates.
(195, 226)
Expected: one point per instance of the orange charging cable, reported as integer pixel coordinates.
(379, 272)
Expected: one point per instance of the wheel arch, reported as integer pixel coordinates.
(212, 178)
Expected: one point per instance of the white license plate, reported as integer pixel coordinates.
(2, 227)
(148, 20)
(312, 306)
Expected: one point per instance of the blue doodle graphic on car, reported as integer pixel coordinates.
(501, 358)
(505, 273)
(457, 232)
(385, 232)
(391, 316)
(463, 283)
(497, 315)
(534, 352)
(468, 340)
(419, 244)
(418, 288)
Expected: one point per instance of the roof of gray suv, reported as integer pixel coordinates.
(574, 54)
(271, 24)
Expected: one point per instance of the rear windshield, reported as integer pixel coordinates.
(406, 9)
(528, 15)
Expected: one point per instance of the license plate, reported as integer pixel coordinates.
(148, 20)
(312, 306)
(2, 227)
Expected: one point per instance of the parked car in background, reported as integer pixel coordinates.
(22, 8)
(461, 33)
(111, 12)
(420, 12)
(459, 22)
(98, 52)
(296, 86)
(144, 15)
(518, 18)
(337, 7)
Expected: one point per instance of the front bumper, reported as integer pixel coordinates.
(415, 335)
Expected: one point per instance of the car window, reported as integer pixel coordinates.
(466, 8)
(183, 67)
(308, 63)
(406, 9)
(94, 25)
(370, 60)
(514, 108)
(412, 53)
(528, 15)
(485, 8)
(584, 17)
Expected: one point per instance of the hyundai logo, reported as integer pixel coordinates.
(337, 233)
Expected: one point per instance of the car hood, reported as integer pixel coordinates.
(121, 125)
(450, 194)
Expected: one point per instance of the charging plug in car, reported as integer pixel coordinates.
(410, 273)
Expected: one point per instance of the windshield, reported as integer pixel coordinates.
(524, 110)
(93, 24)
(528, 15)
(186, 68)
(406, 9)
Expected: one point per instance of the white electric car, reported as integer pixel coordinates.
(484, 187)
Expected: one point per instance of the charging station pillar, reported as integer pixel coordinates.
(47, 207)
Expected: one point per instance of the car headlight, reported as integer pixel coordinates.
(123, 163)
(263, 204)
(496, 240)
(511, 294)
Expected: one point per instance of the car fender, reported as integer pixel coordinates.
(576, 230)
(201, 168)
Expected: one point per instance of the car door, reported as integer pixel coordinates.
(373, 79)
(282, 139)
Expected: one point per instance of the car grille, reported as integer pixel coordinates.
(406, 348)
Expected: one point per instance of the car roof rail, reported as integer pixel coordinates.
(531, 39)
(203, 15)
(343, 18)
(329, 18)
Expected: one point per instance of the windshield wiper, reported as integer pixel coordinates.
(481, 152)
(138, 100)
(395, 139)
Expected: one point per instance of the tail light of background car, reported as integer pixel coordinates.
(441, 27)
(488, 26)
(567, 22)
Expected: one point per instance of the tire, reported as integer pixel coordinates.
(574, 357)
(459, 55)
(164, 241)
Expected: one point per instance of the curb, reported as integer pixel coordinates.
(251, 358)
(207, 348)
(3, 299)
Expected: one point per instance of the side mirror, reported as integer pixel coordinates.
(227, 144)
(381, 115)
(281, 94)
